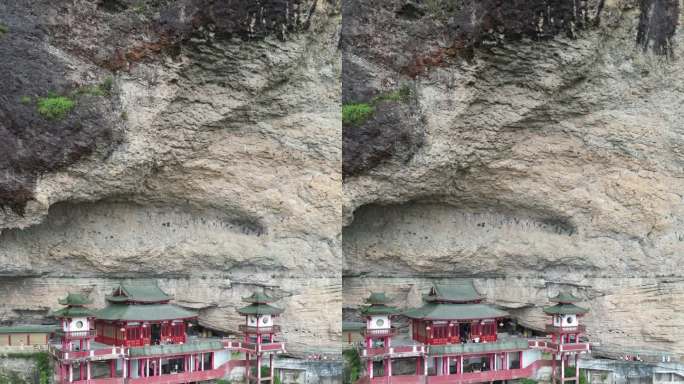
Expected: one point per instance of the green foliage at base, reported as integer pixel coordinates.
(11, 378)
(26, 100)
(352, 366)
(527, 381)
(43, 366)
(570, 372)
(55, 107)
(3, 30)
(356, 113)
(265, 372)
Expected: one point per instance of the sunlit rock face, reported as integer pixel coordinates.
(532, 157)
(203, 144)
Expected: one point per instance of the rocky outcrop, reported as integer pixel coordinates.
(544, 156)
(201, 149)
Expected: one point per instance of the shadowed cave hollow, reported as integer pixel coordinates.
(406, 238)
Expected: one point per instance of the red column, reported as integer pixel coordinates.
(418, 372)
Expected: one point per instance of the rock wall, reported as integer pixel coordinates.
(202, 150)
(18, 370)
(532, 157)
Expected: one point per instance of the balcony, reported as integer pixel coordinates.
(553, 329)
(99, 352)
(276, 346)
(399, 351)
(77, 334)
(463, 378)
(379, 332)
(259, 330)
(547, 346)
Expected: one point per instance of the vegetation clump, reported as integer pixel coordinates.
(55, 107)
(399, 95)
(357, 113)
(102, 89)
(353, 367)
(25, 100)
(43, 366)
(3, 30)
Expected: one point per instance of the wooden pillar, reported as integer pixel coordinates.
(87, 370)
(417, 365)
(460, 365)
(271, 367)
(370, 369)
(389, 367)
(425, 366)
(258, 365)
(562, 369)
(576, 368)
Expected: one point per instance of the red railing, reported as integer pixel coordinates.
(112, 380)
(464, 378)
(178, 378)
(548, 346)
(272, 347)
(454, 339)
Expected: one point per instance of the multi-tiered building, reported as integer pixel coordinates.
(140, 337)
(457, 338)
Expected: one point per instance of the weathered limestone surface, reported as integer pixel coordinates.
(213, 163)
(542, 159)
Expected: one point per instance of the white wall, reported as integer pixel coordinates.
(73, 326)
(569, 321)
(530, 356)
(220, 358)
(565, 320)
(379, 322)
(259, 321)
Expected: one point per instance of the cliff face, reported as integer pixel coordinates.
(537, 147)
(193, 141)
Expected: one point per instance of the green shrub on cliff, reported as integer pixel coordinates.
(55, 107)
(3, 30)
(356, 113)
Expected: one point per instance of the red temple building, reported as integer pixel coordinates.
(457, 338)
(140, 337)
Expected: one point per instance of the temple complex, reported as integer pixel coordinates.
(140, 337)
(455, 337)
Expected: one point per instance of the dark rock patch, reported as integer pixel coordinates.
(657, 25)
(390, 133)
(30, 143)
